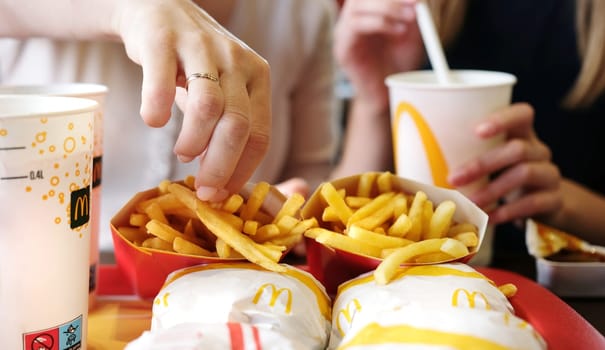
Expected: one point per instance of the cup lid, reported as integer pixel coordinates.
(22, 106)
(55, 89)
(461, 79)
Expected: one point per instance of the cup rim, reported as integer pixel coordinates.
(411, 79)
(75, 89)
(47, 106)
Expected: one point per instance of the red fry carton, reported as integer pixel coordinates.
(147, 269)
(334, 266)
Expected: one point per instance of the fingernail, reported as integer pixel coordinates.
(184, 159)
(486, 128)
(454, 177)
(206, 193)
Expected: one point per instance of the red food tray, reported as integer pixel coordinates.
(560, 325)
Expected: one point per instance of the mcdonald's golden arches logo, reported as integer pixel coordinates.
(471, 298)
(352, 308)
(97, 171)
(162, 300)
(274, 293)
(80, 207)
(436, 160)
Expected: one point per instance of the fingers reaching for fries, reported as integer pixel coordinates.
(176, 221)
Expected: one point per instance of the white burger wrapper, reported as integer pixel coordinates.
(293, 303)
(444, 306)
(214, 336)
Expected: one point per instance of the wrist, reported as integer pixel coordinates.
(91, 20)
(373, 108)
(115, 17)
(580, 212)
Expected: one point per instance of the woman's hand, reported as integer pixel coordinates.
(226, 122)
(521, 170)
(374, 39)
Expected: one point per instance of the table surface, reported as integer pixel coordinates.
(117, 320)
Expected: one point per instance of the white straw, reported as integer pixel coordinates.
(432, 42)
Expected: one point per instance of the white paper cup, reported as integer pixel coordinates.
(46, 149)
(433, 124)
(96, 92)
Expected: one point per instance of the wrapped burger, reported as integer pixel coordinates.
(291, 305)
(440, 306)
(210, 336)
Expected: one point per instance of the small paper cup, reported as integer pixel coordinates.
(147, 269)
(333, 266)
(564, 278)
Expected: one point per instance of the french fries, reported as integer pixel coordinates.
(374, 219)
(379, 221)
(177, 221)
(387, 269)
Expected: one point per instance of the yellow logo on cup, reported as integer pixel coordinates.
(436, 160)
(97, 171)
(275, 293)
(80, 207)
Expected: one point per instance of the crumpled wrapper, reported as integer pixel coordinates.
(292, 304)
(437, 305)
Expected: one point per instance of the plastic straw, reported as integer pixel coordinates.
(432, 42)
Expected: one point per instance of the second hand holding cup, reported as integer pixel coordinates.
(434, 113)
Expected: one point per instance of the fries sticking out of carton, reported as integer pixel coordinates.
(168, 228)
(381, 221)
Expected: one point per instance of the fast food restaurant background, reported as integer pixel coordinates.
(592, 309)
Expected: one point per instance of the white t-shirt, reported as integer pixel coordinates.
(293, 35)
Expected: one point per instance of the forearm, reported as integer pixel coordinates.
(78, 19)
(583, 213)
(367, 144)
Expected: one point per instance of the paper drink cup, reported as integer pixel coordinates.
(433, 125)
(46, 150)
(96, 92)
